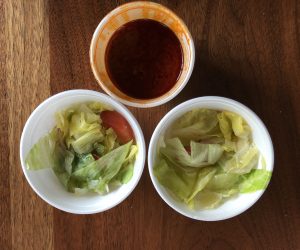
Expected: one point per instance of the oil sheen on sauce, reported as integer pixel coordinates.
(144, 59)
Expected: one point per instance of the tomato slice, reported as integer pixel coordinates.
(114, 120)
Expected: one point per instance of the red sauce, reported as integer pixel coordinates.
(144, 59)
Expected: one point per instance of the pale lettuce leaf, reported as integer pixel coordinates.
(204, 176)
(196, 125)
(83, 161)
(110, 140)
(207, 157)
(126, 172)
(257, 179)
(83, 154)
(178, 182)
(42, 154)
(85, 143)
(207, 200)
(201, 154)
(222, 181)
(103, 169)
(241, 162)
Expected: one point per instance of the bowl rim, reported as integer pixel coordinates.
(113, 103)
(188, 105)
(148, 102)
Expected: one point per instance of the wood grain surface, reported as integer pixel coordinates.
(245, 50)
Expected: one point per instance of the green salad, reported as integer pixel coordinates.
(207, 156)
(91, 148)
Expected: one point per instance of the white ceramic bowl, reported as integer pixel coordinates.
(45, 183)
(261, 138)
(122, 15)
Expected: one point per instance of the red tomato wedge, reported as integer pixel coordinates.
(114, 120)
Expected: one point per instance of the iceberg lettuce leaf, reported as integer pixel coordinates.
(107, 165)
(207, 156)
(257, 179)
(222, 181)
(196, 125)
(85, 143)
(125, 174)
(207, 200)
(178, 182)
(110, 140)
(82, 161)
(83, 154)
(204, 176)
(201, 154)
(241, 162)
(42, 154)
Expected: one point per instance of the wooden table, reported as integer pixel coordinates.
(246, 50)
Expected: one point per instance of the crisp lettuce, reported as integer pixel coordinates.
(208, 156)
(85, 143)
(110, 140)
(239, 126)
(126, 172)
(98, 107)
(50, 152)
(99, 148)
(235, 130)
(82, 161)
(100, 172)
(203, 178)
(257, 179)
(63, 121)
(199, 124)
(42, 154)
(178, 182)
(200, 155)
(241, 162)
(84, 155)
(207, 200)
(108, 165)
(81, 123)
(222, 181)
